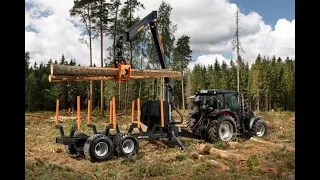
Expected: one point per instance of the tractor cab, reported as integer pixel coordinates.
(216, 99)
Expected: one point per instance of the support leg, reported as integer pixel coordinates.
(60, 129)
(174, 138)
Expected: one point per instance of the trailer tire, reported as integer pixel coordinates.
(101, 132)
(126, 145)
(98, 147)
(73, 149)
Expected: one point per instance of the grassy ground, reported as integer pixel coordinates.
(47, 160)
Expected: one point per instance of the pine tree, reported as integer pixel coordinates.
(31, 92)
(217, 74)
(166, 29)
(83, 9)
(181, 59)
(225, 82)
(233, 76)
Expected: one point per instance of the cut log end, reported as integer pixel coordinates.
(222, 153)
(49, 78)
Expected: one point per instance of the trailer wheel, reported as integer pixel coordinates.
(259, 128)
(221, 129)
(98, 147)
(73, 149)
(126, 145)
(101, 132)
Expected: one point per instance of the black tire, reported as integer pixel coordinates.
(175, 130)
(259, 128)
(215, 129)
(74, 149)
(122, 142)
(191, 122)
(95, 141)
(101, 132)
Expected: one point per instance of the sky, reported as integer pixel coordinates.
(266, 27)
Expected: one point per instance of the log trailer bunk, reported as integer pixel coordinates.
(156, 115)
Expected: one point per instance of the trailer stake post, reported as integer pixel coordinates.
(78, 109)
(57, 112)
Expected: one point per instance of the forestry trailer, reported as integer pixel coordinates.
(155, 114)
(220, 116)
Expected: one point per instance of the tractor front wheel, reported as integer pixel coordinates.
(259, 128)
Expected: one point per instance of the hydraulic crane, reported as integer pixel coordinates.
(120, 62)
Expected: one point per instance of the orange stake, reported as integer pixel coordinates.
(57, 112)
(114, 112)
(110, 114)
(89, 111)
(161, 111)
(132, 112)
(138, 112)
(78, 110)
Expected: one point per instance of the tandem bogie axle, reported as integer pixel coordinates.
(102, 145)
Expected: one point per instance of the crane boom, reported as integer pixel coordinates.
(152, 21)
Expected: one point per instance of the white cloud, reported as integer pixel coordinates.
(57, 35)
(209, 23)
(209, 59)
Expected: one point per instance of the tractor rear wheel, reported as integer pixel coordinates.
(73, 149)
(221, 129)
(126, 145)
(191, 122)
(98, 147)
(259, 128)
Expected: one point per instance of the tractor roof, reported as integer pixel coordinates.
(215, 91)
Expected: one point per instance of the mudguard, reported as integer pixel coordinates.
(253, 119)
(224, 112)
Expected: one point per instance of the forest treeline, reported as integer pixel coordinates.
(268, 84)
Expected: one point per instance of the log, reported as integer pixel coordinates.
(62, 78)
(54, 78)
(81, 71)
(273, 144)
(64, 118)
(222, 153)
(233, 145)
(219, 164)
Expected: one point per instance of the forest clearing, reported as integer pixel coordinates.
(156, 160)
(123, 66)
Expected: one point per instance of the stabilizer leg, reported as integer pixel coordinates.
(174, 138)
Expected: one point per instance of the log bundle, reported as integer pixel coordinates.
(83, 73)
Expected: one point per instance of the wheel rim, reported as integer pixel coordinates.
(226, 131)
(128, 146)
(260, 130)
(101, 149)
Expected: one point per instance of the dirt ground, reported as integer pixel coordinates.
(156, 160)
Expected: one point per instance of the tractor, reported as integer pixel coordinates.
(220, 115)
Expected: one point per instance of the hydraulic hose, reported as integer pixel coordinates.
(178, 113)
